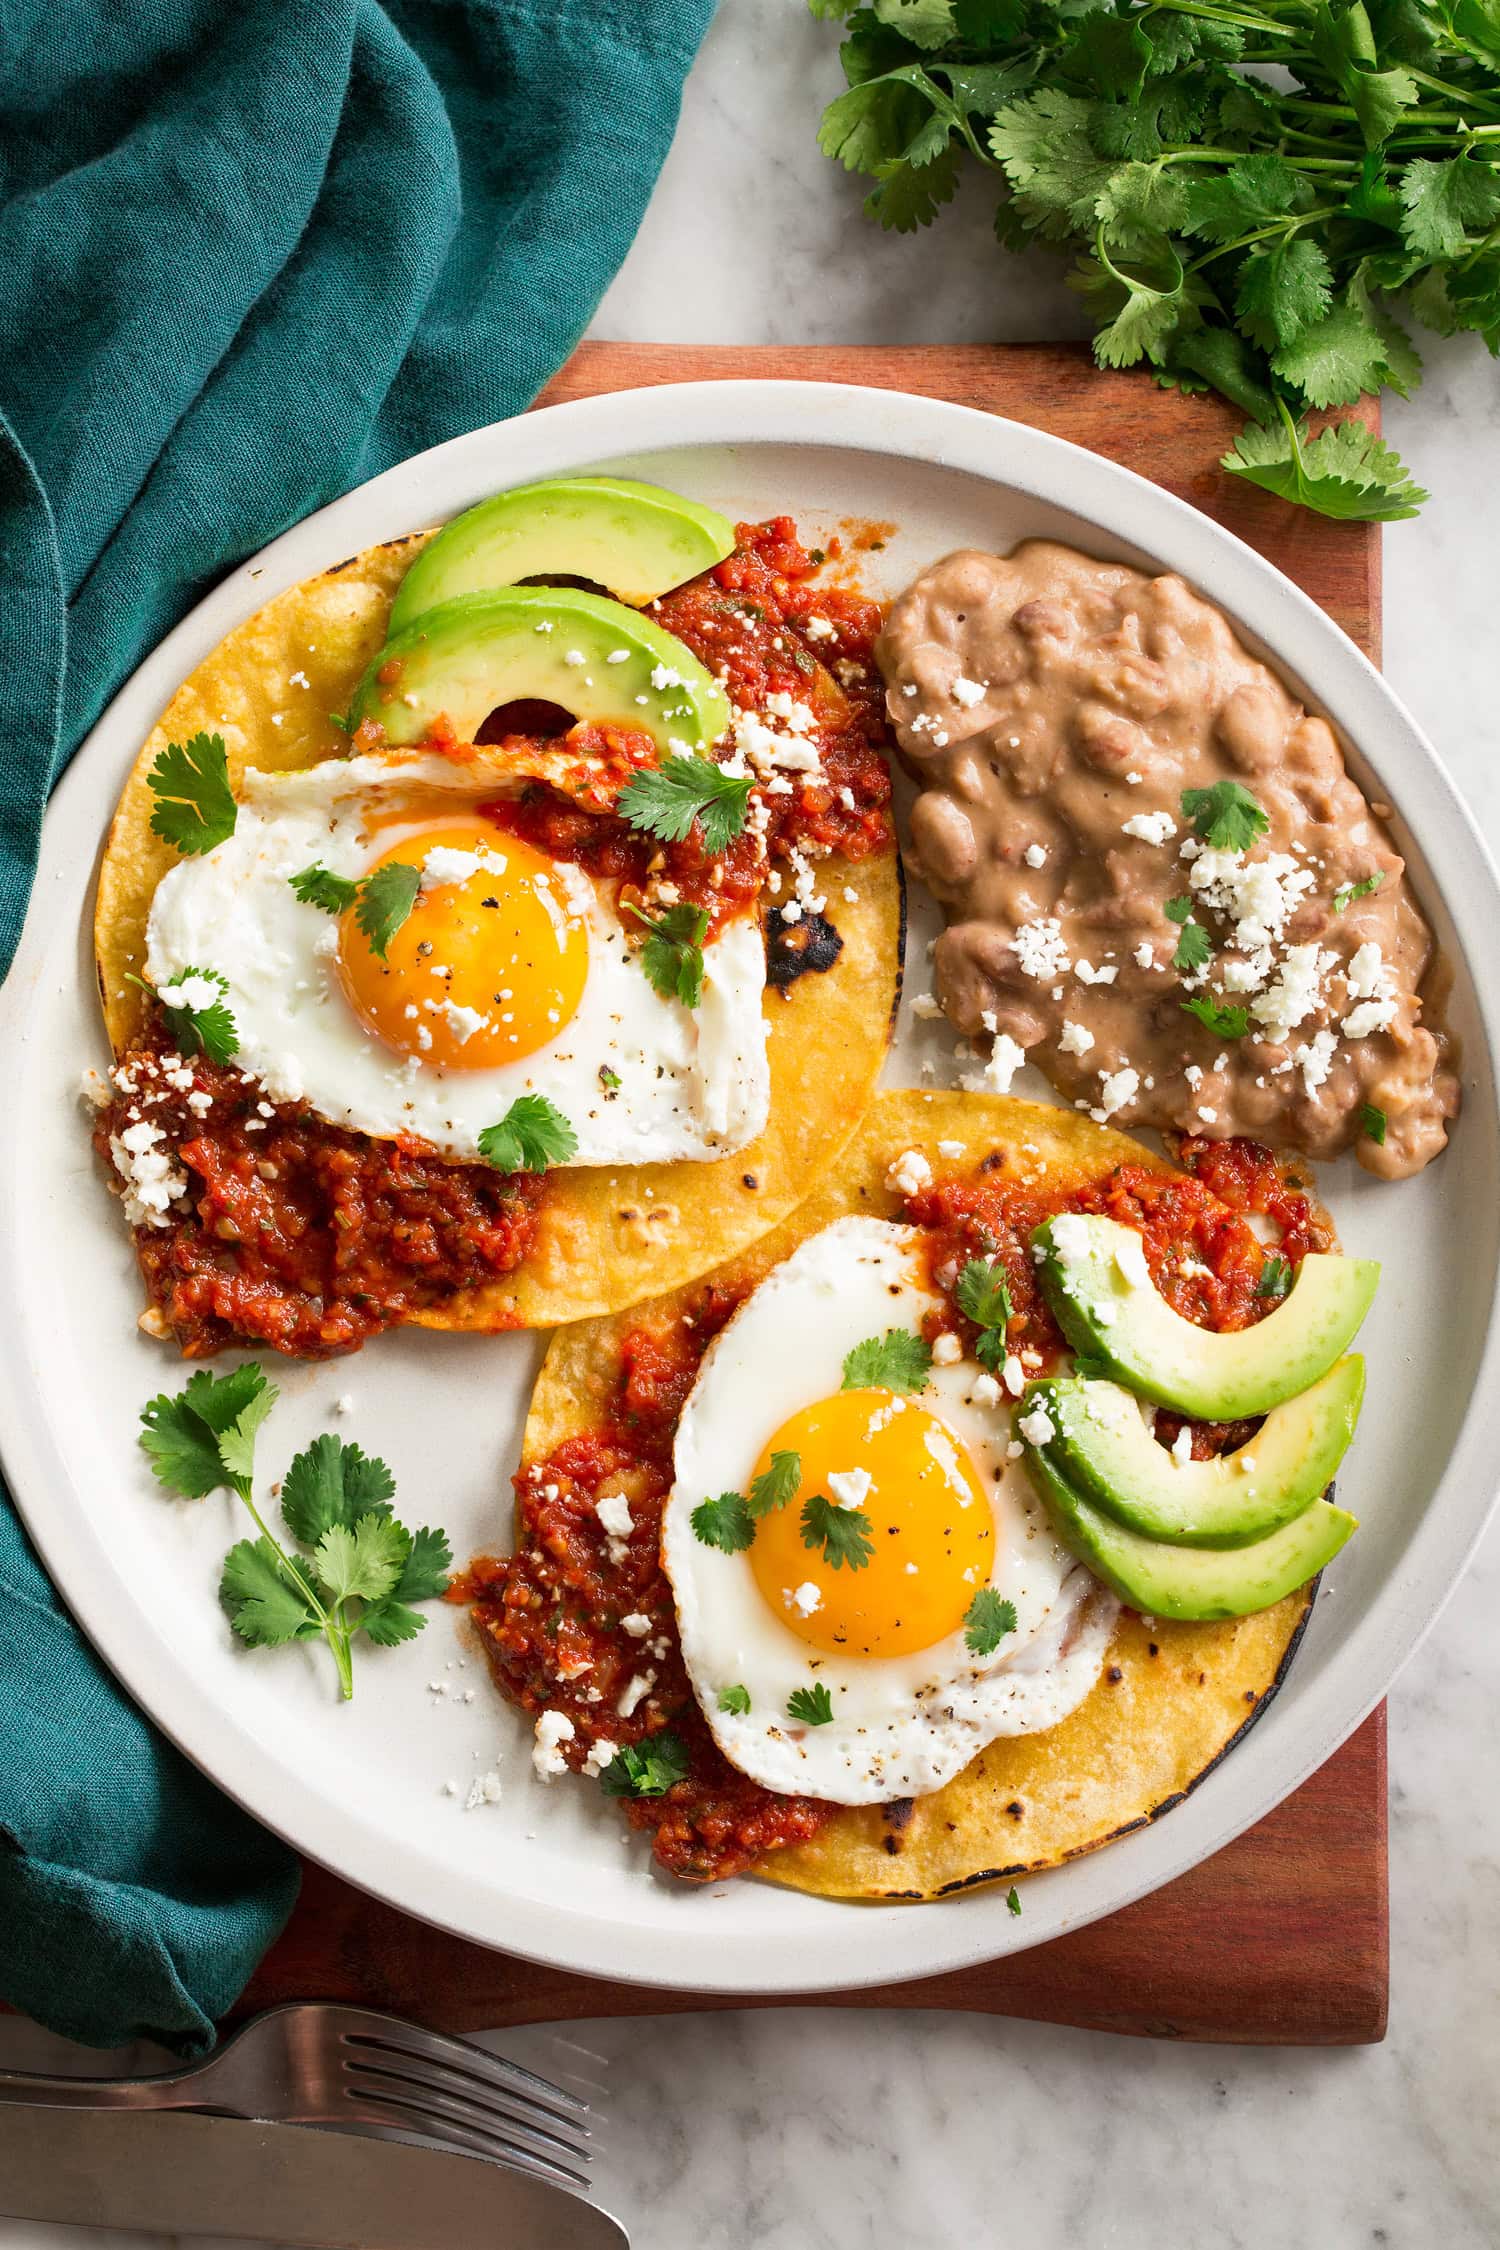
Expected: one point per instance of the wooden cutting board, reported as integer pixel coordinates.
(1282, 1937)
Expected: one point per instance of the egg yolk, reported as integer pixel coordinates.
(489, 964)
(929, 1519)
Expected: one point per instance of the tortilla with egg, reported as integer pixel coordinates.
(1171, 1699)
(605, 1238)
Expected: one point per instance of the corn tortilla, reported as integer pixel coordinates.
(1172, 1698)
(605, 1238)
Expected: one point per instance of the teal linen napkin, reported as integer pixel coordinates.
(251, 255)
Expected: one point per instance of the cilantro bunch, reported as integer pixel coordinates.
(361, 1571)
(1249, 187)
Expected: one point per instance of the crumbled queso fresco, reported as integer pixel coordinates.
(1161, 883)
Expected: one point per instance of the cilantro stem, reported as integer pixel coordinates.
(1287, 227)
(335, 1627)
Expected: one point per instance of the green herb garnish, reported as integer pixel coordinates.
(1233, 231)
(195, 808)
(1344, 899)
(1275, 1278)
(1372, 1123)
(648, 1769)
(672, 955)
(776, 1485)
(1226, 1020)
(1193, 949)
(896, 1361)
(988, 1619)
(200, 1027)
(839, 1535)
(363, 1571)
(385, 900)
(725, 1523)
(665, 800)
(318, 886)
(1013, 1899)
(1225, 816)
(529, 1137)
(813, 1706)
(735, 1701)
(983, 1293)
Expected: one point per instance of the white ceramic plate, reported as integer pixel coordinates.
(550, 1872)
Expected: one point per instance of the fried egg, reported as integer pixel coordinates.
(512, 974)
(948, 1513)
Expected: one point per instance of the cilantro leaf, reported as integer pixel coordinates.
(1193, 947)
(813, 1706)
(529, 1137)
(672, 955)
(1178, 909)
(1347, 473)
(1444, 203)
(1343, 899)
(424, 1574)
(195, 808)
(1275, 1278)
(896, 1361)
(318, 886)
(267, 1605)
(389, 1622)
(735, 1701)
(648, 1769)
(1225, 1019)
(776, 1485)
(1043, 145)
(1372, 1123)
(987, 1621)
(386, 898)
(181, 1434)
(1225, 816)
(198, 1026)
(1013, 1899)
(1284, 289)
(984, 1294)
(840, 1535)
(331, 1483)
(1337, 359)
(725, 1523)
(665, 801)
(363, 1564)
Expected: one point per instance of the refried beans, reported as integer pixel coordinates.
(1054, 710)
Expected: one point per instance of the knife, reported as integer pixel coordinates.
(168, 2173)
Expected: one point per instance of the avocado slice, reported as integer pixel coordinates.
(1110, 1458)
(1096, 1281)
(598, 659)
(639, 540)
(1187, 1583)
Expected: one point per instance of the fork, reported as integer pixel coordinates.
(308, 2063)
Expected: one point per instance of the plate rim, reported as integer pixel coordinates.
(1283, 1749)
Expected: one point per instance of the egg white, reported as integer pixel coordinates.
(902, 1725)
(694, 1084)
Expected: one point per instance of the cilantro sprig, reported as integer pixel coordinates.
(530, 1136)
(1275, 1278)
(1232, 233)
(734, 1701)
(195, 809)
(840, 1535)
(361, 1570)
(729, 1521)
(987, 1620)
(385, 900)
(197, 1026)
(646, 1769)
(984, 1294)
(318, 886)
(672, 955)
(665, 800)
(1224, 815)
(896, 1361)
(813, 1706)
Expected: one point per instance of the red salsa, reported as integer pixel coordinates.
(577, 1614)
(292, 1232)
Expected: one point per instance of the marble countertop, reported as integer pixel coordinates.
(818, 2130)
